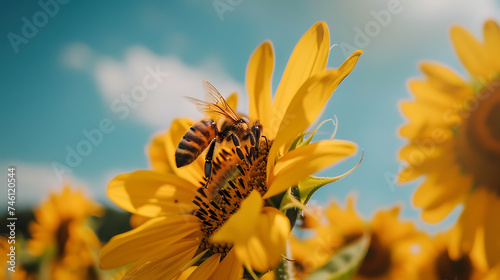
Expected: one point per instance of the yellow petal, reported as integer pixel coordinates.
(471, 53)
(150, 194)
(163, 264)
(308, 58)
(205, 270)
(242, 224)
(232, 101)
(421, 151)
(185, 274)
(429, 113)
(298, 164)
(478, 252)
(472, 217)
(263, 250)
(307, 104)
(492, 230)
(419, 166)
(388, 219)
(258, 234)
(437, 133)
(346, 222)
(158, 154)
(442, 78)
(258, 81)
(230, 268)
(425, 91)
(137, 220)
(493, 274)
(161, 151)
(492, 42)
(441, 193)
(268, 276)
(130, 246)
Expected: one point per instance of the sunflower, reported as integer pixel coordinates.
(435, 262)
(61, 233)
(227, 227)
(454, 139)
(391, 252)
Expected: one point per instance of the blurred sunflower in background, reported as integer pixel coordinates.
(61, 236)
(435, 262)
(393, 247)
(230, 227)
(454, 140)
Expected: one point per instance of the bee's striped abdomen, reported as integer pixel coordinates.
(195, 141)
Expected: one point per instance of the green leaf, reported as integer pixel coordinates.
(344, 264)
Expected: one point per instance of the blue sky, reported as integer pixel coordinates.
(68, 79)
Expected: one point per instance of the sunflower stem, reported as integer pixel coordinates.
(284, 270)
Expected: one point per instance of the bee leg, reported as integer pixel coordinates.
(256, 134)
(236, 143)
(207, 183)
(208, 161)
(267, 145)
(250, 136)
(252, 153)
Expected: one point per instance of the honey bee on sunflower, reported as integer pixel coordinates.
(221, 124)
(209, 202)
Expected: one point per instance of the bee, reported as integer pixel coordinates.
(220, 124)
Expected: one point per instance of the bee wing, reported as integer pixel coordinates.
(212, 110)
(213, 97)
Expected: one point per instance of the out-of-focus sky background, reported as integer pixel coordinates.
(67, 68)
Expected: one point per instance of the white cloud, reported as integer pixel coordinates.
(389, 30)
(35, 182)
(464, 11)
(164, 102)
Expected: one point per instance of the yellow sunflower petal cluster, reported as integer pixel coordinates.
(454, 141)
(392, 252)
(226, 227)
(60, 232)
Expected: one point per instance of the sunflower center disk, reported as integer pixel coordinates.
(63, 234)
(377, 260)
(447, 268)
(232, 181)
(478, 145)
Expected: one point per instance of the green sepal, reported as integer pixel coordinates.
(291, 212)
(300, 141)
(312, 184)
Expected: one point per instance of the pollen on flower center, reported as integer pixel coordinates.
(232, 181)
(478, 142)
